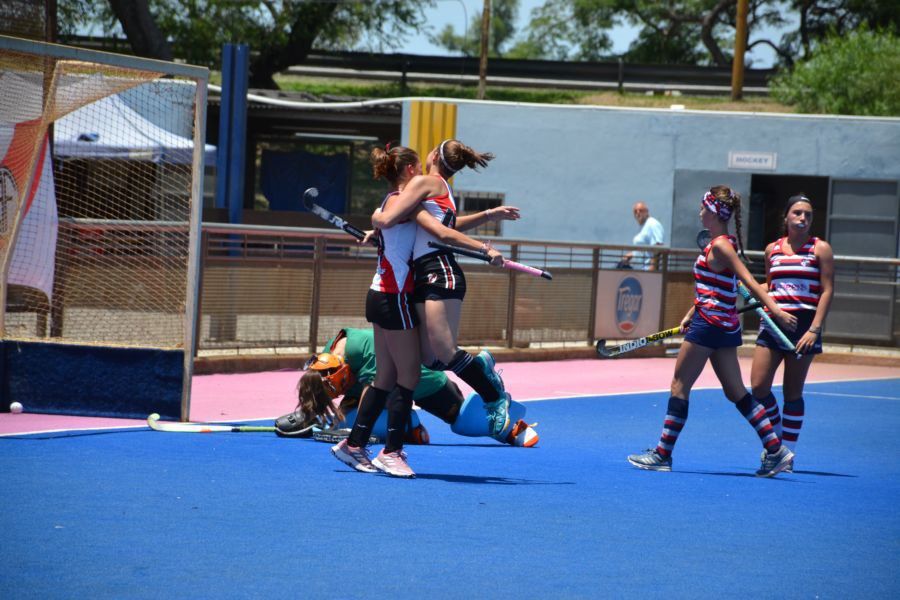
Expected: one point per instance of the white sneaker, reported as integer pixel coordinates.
(394, 464)
(358, 458)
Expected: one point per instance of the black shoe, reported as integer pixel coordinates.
(293, 425)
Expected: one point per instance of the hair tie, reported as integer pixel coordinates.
(450, 170)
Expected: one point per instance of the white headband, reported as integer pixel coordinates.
(450, 170)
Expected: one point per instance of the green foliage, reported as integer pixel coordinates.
(199, 28)
(568, 30)
(853, 74)
(468, 43)
(395, 90)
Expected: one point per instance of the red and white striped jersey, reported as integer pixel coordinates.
(442, 208)
(716, 293)
(795, 279)
(394, 271)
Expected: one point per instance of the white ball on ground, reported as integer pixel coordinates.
(16, 407)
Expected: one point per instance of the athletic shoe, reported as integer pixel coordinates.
(523, 435)
(651, 460)
(790, 465)
(487, 363)
(358, 458)
(775, 462)
(418, 436)
(293, 425)
(498, 413)
(394, 464)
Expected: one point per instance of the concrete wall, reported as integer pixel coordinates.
(576, 171)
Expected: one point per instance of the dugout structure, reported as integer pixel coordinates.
(99, 279)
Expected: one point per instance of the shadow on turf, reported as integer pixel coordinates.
(487, 479)
(780, 476)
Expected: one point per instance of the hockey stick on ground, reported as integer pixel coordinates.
(333, 436)
(171, 427)
(605, 352)
(507, 264)
(309, 197)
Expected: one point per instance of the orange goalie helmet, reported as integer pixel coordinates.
(336, 374)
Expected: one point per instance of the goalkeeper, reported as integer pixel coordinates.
(328, 393)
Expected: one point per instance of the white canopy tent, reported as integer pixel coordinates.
(110, 129)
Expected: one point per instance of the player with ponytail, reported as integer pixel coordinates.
(440, 284)
(714, 333)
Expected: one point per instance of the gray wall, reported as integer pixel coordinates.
(576, 171)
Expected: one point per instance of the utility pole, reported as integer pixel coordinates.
(740, 47)
(485, 35)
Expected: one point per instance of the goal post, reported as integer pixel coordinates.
(101, 187)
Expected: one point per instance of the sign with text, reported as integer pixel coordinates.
(758, 161)
(628, 304)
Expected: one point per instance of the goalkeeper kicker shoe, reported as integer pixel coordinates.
(358, 458)
(651, 460)
(487, 363)
(498, 413)
(523, 435)
(774, 463)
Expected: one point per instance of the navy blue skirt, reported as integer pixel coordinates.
(805, 318)
(704, 333)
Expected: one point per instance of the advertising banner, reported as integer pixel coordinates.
(628, 304)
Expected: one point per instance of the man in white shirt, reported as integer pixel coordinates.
(651, 234)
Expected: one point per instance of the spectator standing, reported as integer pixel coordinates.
(651, 234)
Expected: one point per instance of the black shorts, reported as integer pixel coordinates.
(438, 277)
(390, 311)
(805, 318)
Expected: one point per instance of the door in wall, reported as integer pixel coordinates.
(864, 220)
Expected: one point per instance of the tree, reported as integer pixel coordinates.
(503, 17)
(693, 31)
(853, 73)
(280, 33)
(568, 29)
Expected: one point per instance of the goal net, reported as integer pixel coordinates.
(100, 191)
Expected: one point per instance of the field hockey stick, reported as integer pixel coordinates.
(309, 197)
(605, 352)
(507, 264)
(333, 436)
(169, 427)
(770, 323)
(703, 238)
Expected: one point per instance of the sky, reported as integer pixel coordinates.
(460, 12)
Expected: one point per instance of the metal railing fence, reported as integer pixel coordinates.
(287, 290)
(291, 289)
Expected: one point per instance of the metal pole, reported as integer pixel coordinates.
(740, 47)
(485, 35)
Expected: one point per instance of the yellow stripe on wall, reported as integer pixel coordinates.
(430, 123)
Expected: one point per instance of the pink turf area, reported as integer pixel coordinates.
(250, 396)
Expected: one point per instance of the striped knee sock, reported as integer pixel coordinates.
(755, 414)
(676, 415)
(793, 421)
(771, 406)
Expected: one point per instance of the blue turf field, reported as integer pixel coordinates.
(145, 514)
